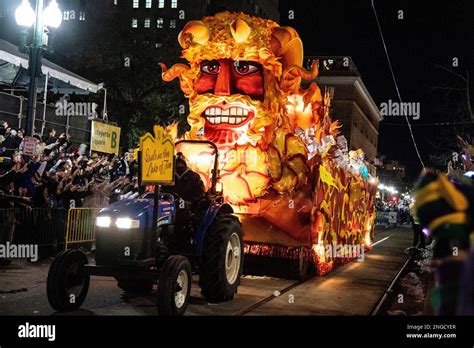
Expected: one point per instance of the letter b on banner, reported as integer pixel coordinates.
(113, 144)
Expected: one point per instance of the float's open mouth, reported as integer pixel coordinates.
(229, 115)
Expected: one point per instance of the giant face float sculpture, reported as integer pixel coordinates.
(295, 188)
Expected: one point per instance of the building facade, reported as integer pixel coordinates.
(392, 173)
(352, 105)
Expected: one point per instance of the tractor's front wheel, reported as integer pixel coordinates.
(221, 259)
(68, 281)
(174, 286)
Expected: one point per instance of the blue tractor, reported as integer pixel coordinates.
(202, 238)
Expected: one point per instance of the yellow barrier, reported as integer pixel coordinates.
(80, 226)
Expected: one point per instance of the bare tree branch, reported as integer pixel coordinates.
(449, 88)
(451, 72)
(465, 79)
(468, 95)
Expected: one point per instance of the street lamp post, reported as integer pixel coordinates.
(25, 16)
(34, 64)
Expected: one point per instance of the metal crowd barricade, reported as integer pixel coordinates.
(80, 227)
(44, 227)
(7, 225)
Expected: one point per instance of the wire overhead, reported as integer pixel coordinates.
(396, 85)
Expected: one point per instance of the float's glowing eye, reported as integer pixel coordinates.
(213, 67)
(246, 68)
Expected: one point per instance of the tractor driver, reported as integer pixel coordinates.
(188, 184)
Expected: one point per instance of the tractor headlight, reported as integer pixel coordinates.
(127, 223)
(103, 221)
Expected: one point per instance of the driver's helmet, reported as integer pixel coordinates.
(180, 159)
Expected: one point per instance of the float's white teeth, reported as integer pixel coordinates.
(233, 115)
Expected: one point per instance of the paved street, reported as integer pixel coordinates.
(352, 289)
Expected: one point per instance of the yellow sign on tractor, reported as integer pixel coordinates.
(157, 158)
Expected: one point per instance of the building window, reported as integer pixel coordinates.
(147, 23)
(148, 4)
(174, 3)
(82, 15)
(158, 45)
(134, 23)
(65, 15)
(159, 23)
(161, 3)
(173, 23)
(136, 3)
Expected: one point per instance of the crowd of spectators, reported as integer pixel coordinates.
(401, 207)
(61, 174)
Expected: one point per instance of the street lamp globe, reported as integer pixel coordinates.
(24, 14)
(52, 15)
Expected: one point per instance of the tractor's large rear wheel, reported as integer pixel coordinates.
(221, 259)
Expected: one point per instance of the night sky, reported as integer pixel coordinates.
(431, 33)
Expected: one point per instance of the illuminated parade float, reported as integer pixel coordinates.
(283, 166)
